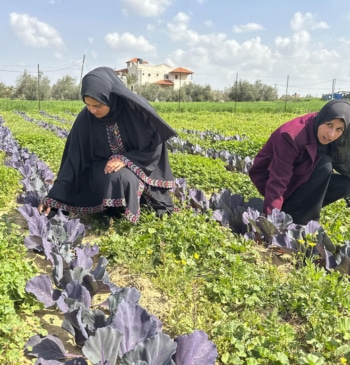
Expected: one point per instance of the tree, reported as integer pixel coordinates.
(31, 88)
(196, 92)
(131, 80)
(154, 92)
(245, 91)
(66, 89)
(6, 91)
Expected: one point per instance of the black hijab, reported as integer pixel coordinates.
(334, 109)
(103, 85)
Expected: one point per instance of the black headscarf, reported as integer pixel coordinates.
(334, 109)
(103, 85)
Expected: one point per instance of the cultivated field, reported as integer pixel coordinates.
(213, 271)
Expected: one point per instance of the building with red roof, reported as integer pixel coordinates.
(140, 72)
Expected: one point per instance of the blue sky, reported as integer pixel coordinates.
(302, 46)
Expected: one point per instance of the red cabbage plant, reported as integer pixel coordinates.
(116, 330)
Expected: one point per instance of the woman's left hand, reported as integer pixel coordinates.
(113, 165)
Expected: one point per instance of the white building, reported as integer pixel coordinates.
(162, 74)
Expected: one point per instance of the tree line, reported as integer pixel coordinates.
(29, 87)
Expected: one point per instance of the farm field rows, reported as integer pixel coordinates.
(256, 304)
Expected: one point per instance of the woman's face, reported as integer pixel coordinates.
(330, 131)
(96, 108)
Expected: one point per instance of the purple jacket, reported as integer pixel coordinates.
(286, 161)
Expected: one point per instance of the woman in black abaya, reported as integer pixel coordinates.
(115, 155)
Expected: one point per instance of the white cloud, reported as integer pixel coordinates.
(179, 32)
(250, 27)
(306, 21)
(310, 64)
(90, 40)
(208, 23)
(181, 18)
(94, 54)
(145, 8)
(33, 32)
(58, 55)
(344, 42)
(282, 42)
(217, 59)
(129, 42)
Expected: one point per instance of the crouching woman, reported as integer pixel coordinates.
(294, 171)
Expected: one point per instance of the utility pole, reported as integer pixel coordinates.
(333, 88)
(285, 100)
(180, 94)
(81, 73)
(236, 90)
(38, 87)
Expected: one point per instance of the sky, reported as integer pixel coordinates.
(299, 46)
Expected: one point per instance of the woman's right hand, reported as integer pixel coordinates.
(113, 165)
(44, 209)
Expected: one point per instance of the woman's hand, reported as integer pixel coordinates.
(113, 165)
(44, 209)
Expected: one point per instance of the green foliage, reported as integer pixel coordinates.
(242, 148)
(255, 126)
(186, 237)
(257, 307)
(68, 119)
(335, 219)
(254, 311)
(29, 87)
(66, 89)
(15, 303)
(210, 175)
(187, 93)
(319, 303)
(245, 91)
(9, 181)
(5, 91)
(45, 144)
(35, 105)
(276, 107)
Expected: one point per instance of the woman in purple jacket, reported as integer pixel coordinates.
(294, 170)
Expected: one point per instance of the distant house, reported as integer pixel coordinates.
(162, 74)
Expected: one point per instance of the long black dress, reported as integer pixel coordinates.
(134, 133)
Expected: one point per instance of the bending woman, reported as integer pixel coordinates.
(115, 155)
(294, 170)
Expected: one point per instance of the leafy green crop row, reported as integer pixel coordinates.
(258, 308)
(46, 145)
(9, 181)
(16, 306)
(210, 175)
